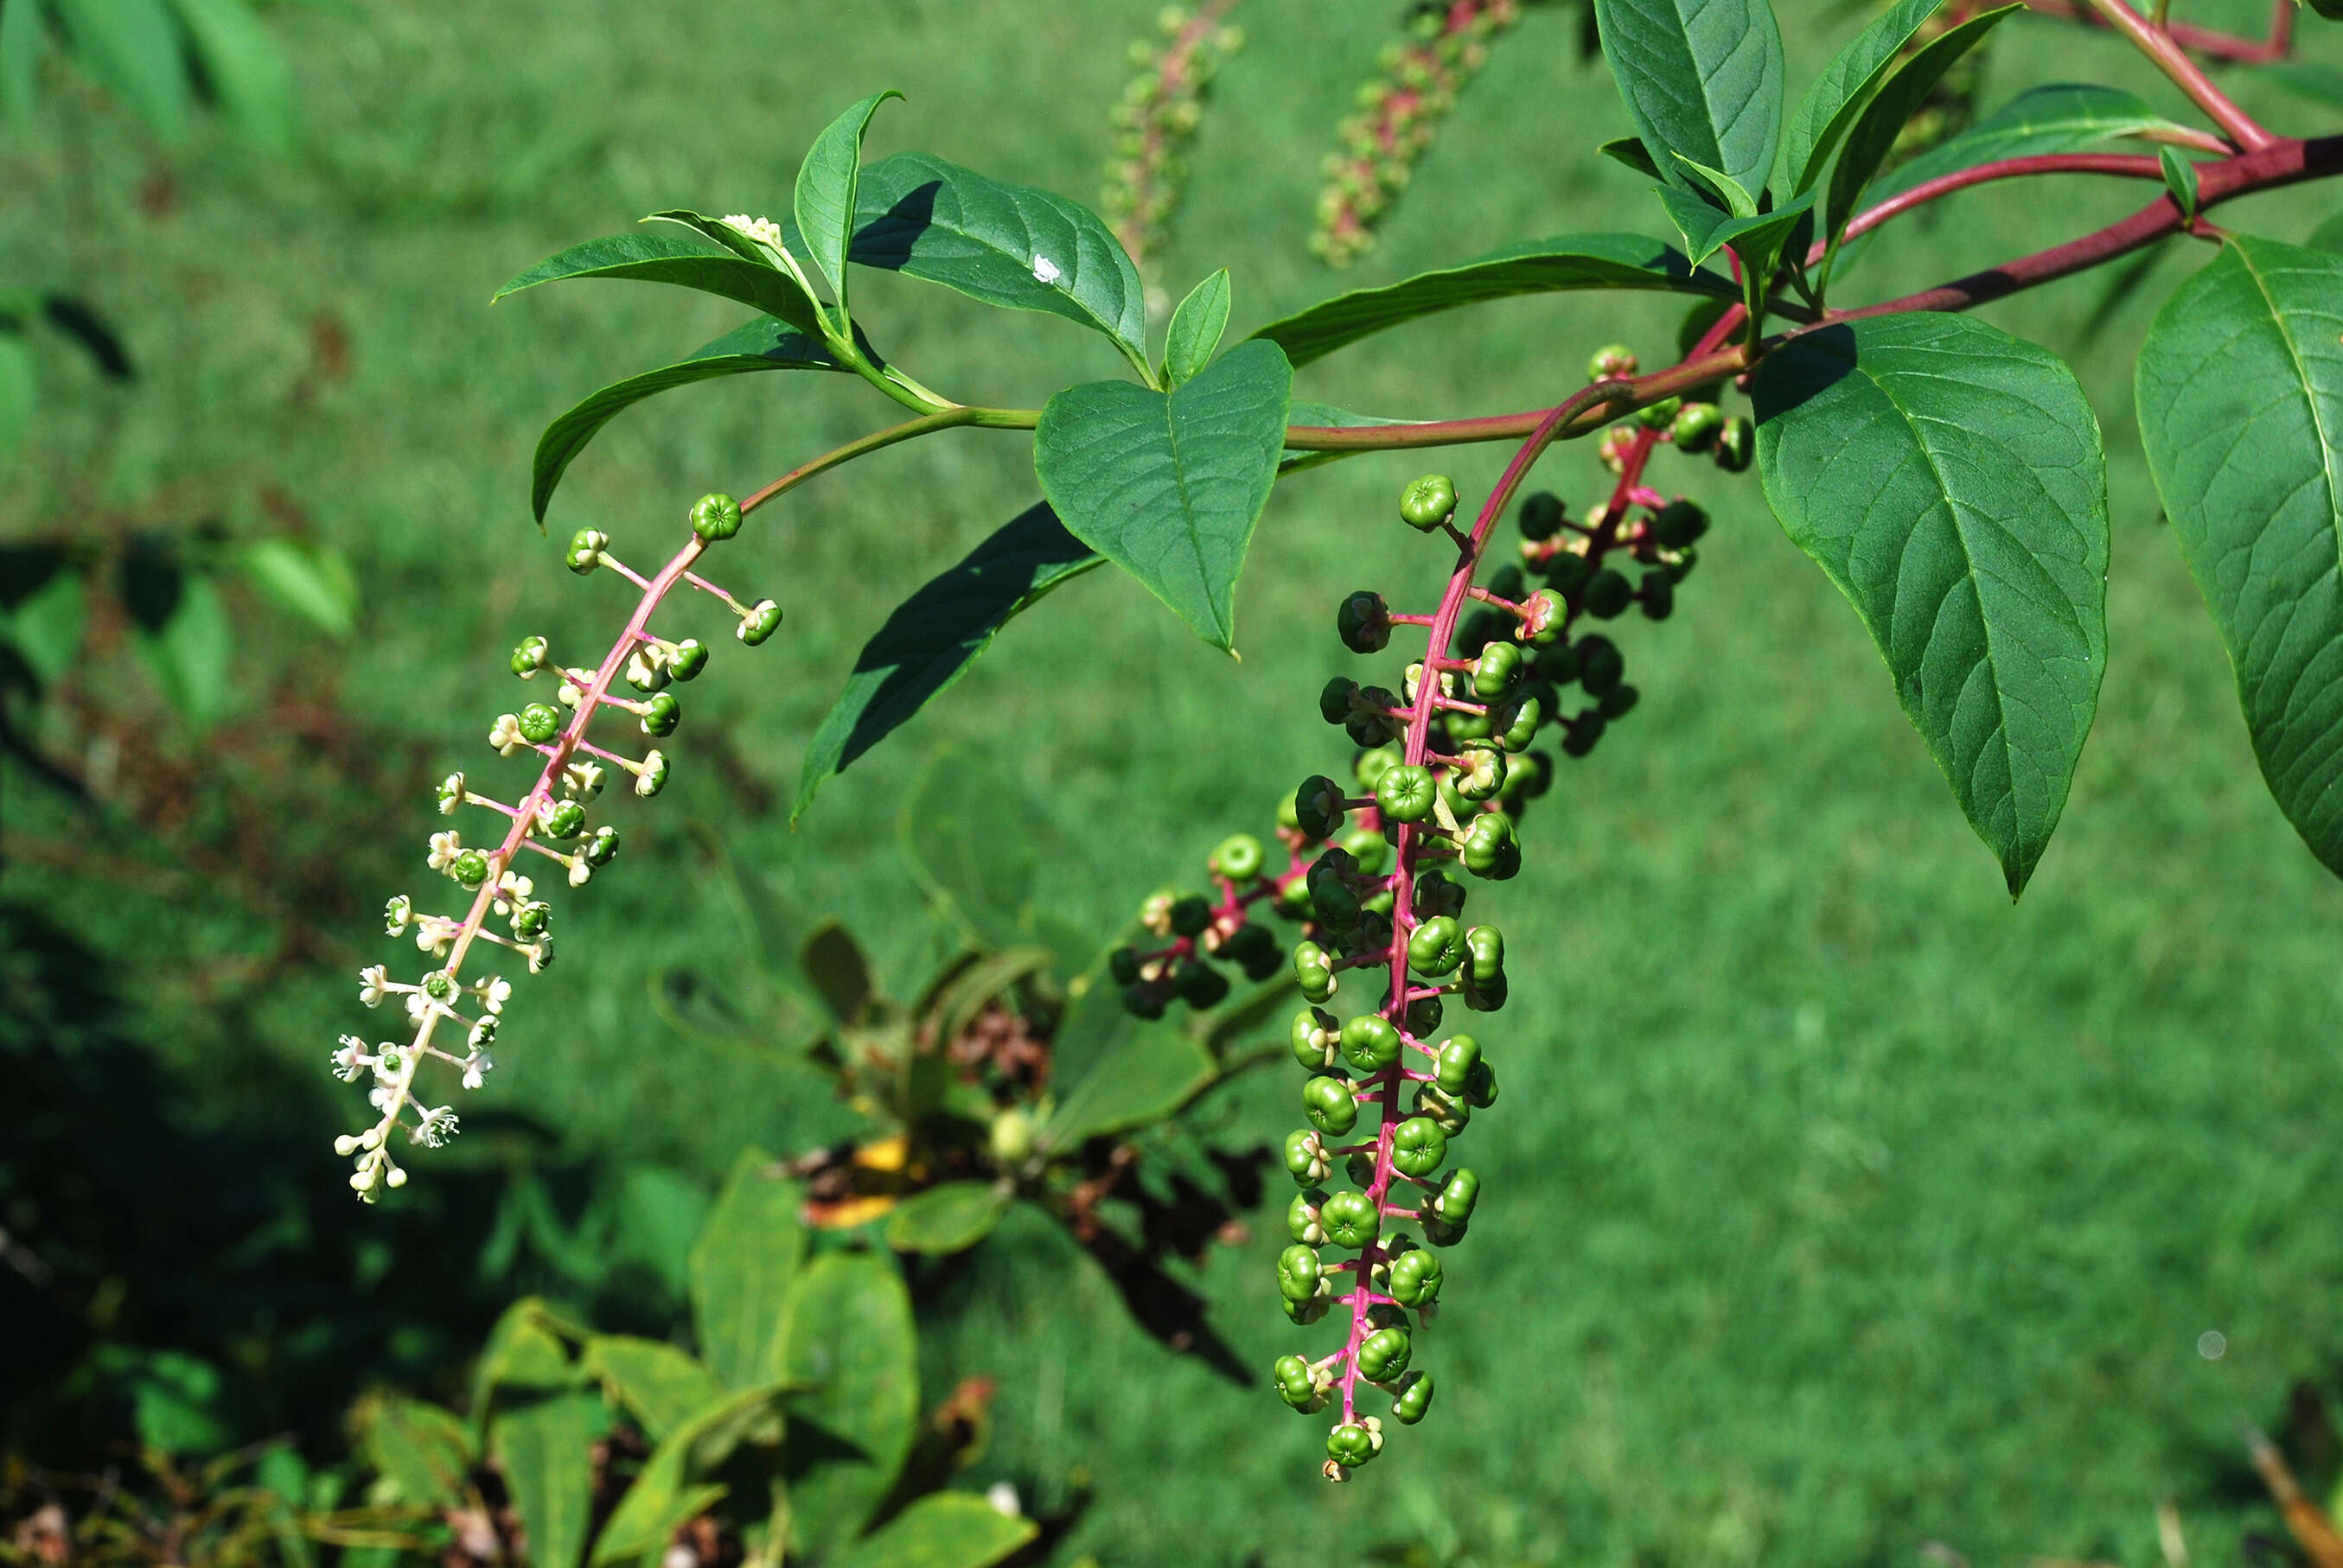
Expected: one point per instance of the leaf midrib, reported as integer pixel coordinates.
(2310, 397)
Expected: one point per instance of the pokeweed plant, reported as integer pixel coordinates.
(1947, 477)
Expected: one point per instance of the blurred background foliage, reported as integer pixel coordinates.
(1839, 1207)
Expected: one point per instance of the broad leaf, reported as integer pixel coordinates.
(1008, 244)
(834, 967)
(952, 1218)
(541, 1448)
(768, 343)
(2179, 179)
(521, 1356)
(846, 1343)
(946, 1530)
(826, 184)
(18, 389)
(314, 581)
(1950, 479)
(190, 655)
(692, 261)
(423, 1450)
(1896, 101)
(22, 34)
(1196, 328)
(932, 638)
(1145, 1075)
(1169, 486)
(2062, 119)
(132, 48)
(1631, 151)
(2240, 389)
(244, 68)
(1700, 77)
(1845, 85)
(659, 1386)
(1536, 266)
(670, 1487)
(741, 1269)
(45, 626)
(1756, 239)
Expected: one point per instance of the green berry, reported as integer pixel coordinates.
(1313, 971)
(1371, 766)
(1494, 672)
(1459, 1055)
(1298, 1273)
(662, 714)
(529, 920)
(1253, 949)
(586, 547)
(1304, 1220)
(1415, 1279)
(760, 623)
(1337, 699)
(1480, 1087)
(1201, 986)
(1306, 1313)
(714, 517)
(1406, 793)
(1455, 1201)
(564, 821)
(1434, 948)
(1351, 1444)
(1696, 425)
(1618, 702)
(1122, 966)
(1490, 847)
(1145, 1001)
(1607, 594)
(1659, 415)
(529, 656)
(1418, 1146)
(1318, 809)
(1657, 595)
(1369, 851)
(1480, 774)
(1370, 1043)
(1611, 362)
(1305, 1158)
(1678, 524)
(1351, 1220)
(1424, 1016)
(1567, 571)
(1541, 515)
(539, 722)
(1327, 1103)
(1239, 857)
(1361, 1169)
(1294, 1385)
(1487, 945)
(1447, 1110)
(1383, 1356)
(471, 869)
(1440, 1232)
(1414, 1398)
(1363, 622)
(1736, 443)
(1545, 615)
(1516, 720)
(1428, 502)
(653, 778)
(1189, 916)
(1600, 664)
(689, 658)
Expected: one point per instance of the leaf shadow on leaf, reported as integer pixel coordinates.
(889, 240)
(1833, 361)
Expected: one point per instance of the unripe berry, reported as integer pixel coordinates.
(1659, 415)
(1370, 849)
(1486, 947)
(1415, 1279)
(1201, 986)
(1490, 849)
(1370, 764)
(653, 778)
(1294, 1385)
(1435, 947)
(1314, 1036)
(1611, 362)
(529, 656)
(1313, 971)
(539, 722)
(1428, 502)
(1414, 1398)
(1318, 809)
(689, 658)
(662, 714)
(1679, 523)
(1327, 1103)
(1363, 622)
(1456, 1200)
(1406, 793)
(1607, 594)
(1516, 720)
(1370, 1043)
(1144, 1002)
(715, 518)
(564, 821)
(1298, 1273)
(1736, 443)
(1122, 966)
(1541, 515)
(1351, 1220)
(1494, 672)
(1543, 617)
(586, 547)
(1658, 595)
(1418, 1146)
(1011, 1138)
(760, 623)
(1305, 1158)
(1384, 1354)
(1448, 1111)
(1352, 1444)
(1600, 664)
(1304, 1219)
(471, 869)
(1459, 1055)
(1695, 427)
(1189, 916)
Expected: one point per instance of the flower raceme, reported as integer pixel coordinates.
(451, 1018)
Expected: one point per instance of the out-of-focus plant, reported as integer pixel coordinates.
(1156, 121)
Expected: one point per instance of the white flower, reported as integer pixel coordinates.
(512, 890)
(653, 776)
(451, 794)
(418, 1004)
(445, 848)
(374, 984)
(1045, 270)
(432, 934)
(579, 870)
(484, 1033)
(437, 1126)
(540, 953)
(763, 230)
(504, 734)
(582, 780)
(569, 694)
(493, 992)
(390, 1064)
(396, 913)
(476, 1070)
(351, 1059)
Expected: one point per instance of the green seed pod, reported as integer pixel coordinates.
(653, 778)
(1313, 971)
(1363, 622)
(715, 518)
(1239, 857)
(1480, 1087)
(1190, 915)
(1440, 1232)
(1122, 966)
(662, 714)
(539, 722)
(687, 659)
(1695, 427)
(1447, 1110)
(1607, 594)
(1351, 1220)
(1383, 1356)
(1372, 724)
(1618, 702)
(1298, 1273)
(1600, 664)
(1455, 1201)
(1307, 1313)
(1414, 1398)
(1315, 1035)
(1437, 893)
(645, 673)
(1370, 1043)
(529, 920)
(1305, 1158)
(1317, 809)
(1659, 415)
(1678, 524)
(1351, 1444)
(1459, 1055)
(1736, 443)
(1360, 1168)
(760, 623)
(439, 985)
(529, 656)
(1201, 986)
(1428, 502)
(1406, 793)
(1331, 894)
(1294, 1385)
(1434, 948)
(471, 869)
(564, 821)
(1494, 672)
(1516, 718)
(1541, 515)
(1487, 945)
(1327, 1103)
(1418, 1146)
(1424, 1016)
(1337, 699)
(1370, 765)
(1369, 851)
(1304, 1220)
(1415, 1279)
(1611, 362)
(1480, 774)
(1490, 849)
(586, 547)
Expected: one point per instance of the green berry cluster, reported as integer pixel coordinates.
(1155, 121)
(1202, 935)
(1415, 85)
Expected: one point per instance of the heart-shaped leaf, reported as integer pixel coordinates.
(1700, 77)
(826, 184)
(1169, 486)
(2240, 389)
(1950, 479)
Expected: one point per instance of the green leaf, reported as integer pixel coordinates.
(423, 1450)
(1146, 1073)
(952, 1218)
(1700, 77)
(659, 1385)
(932, 638)
(132, 48)
(18, 389)
(2180, 179)
(245, 69)
(846, 1341)
(741, 1269)
(945, 1530)
(1720, 188)
(1950, 479)
(542, 1448)
(2319, 83)
(664, 1493)
(964, 850)
(1537, 266)
(2328, 236)
(2239, 388)
(189, 657)
(825, 190)
(1896, 101)
(22, 36)
(314, 581)
(45, 626)
(1756, 239)
(834, 966)
(2061, 118)
(768, 343)
(1169, 486)
(1837, 96)
(1631, 151)
(521, 1356)
(1196, 328)
(697, 262)
(1012, 245)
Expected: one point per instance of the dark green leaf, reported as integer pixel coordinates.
(522, 1357)
(965, 843)
(952, 1218)
(2180, 179)
(2319, 83)
(1756, 239)
(743, 1267)
(45, 626)
(1537, 266)
(693, 262)
(768, 343)
(189, 656)
(1700, 77)
(2328, 236)
(1196, 328)
(245, 69)
(846, 1341)
(1719, 188)
(659, 1385)
(422, 1448)
(1008, 244)
(932, 638)
(1896, 101)
(541, 1448)
(1115, 1071)
(946, 1530)
(2240, 389)
(132, 48)
(1631, 151)
(1845, 85)
(314, 581)
(2063, 118)
(1169, 486)
(1950, 479)
(669, 1488)
(834, 966)
(826, 188)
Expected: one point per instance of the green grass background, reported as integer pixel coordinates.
(1836, 1204)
